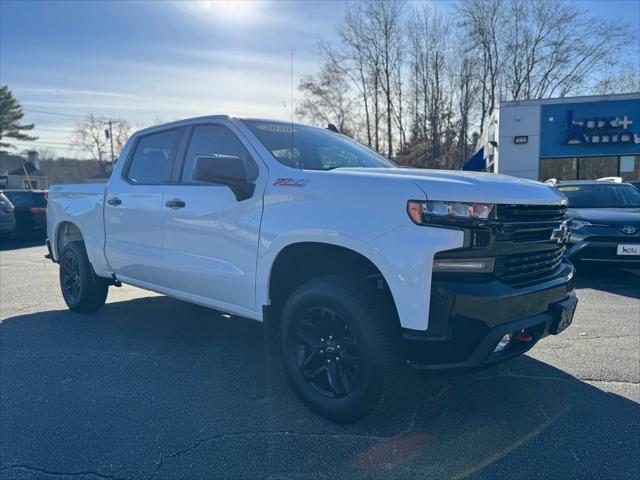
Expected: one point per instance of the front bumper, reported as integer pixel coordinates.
(468, 319)
(589, 247)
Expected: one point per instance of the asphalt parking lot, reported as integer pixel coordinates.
(155, 388)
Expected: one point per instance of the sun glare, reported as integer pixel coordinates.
(226, 11)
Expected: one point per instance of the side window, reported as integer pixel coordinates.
(215, 140)
(153, 158)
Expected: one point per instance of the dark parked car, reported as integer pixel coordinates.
(605, 222)
(7, 218)
(636, 183)
(30, 210)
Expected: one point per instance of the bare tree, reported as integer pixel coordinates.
(326, 99)
(482, 24)
(618, 80)
(419, 85)
(89, 136)
(47, 154)
(386, 18)
(467, 88)
(537, 48)
(121, 130)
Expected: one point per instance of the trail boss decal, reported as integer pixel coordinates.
(291, 182)
(278, 128)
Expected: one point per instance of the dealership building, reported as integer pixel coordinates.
(563, 138)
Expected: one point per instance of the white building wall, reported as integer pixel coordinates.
(519, 160)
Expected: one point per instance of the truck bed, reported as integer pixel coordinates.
(80, 205)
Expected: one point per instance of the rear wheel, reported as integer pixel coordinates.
(338, 349)
(83, 290)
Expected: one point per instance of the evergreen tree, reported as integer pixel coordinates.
(10, 116)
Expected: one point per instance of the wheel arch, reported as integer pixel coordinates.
(298, 262)
(66, 232)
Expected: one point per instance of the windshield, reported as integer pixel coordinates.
(601, 196)
(27, 199)
(311, 148)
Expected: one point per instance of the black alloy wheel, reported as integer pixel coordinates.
(70, 278)
(325, 351)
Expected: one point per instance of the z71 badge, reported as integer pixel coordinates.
(291, 182)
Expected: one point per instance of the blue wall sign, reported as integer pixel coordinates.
(610, 127)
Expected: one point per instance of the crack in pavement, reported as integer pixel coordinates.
(374, 438)
(249, 434)
(342, 436)
(52, 473)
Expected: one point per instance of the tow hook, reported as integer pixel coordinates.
(522, 336)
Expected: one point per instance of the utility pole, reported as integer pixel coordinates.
(111, 141)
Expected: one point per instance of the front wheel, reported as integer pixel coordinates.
(339, 349)
(83, 290)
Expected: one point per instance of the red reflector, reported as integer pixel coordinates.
(37, 210)
(8, 209)
(522, 336)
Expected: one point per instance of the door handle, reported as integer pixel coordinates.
(175, 203)
(114, 201)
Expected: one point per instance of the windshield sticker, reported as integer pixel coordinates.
(278, 128)
(291, 182)
(568, 189)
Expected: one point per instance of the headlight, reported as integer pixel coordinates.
(578, 224)
(418, 210)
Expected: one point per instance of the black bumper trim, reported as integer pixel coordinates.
(467, 320)
(483, 355)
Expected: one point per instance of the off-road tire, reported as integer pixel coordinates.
(90, 291)
(375, 328)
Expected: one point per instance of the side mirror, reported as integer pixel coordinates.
(225, 170)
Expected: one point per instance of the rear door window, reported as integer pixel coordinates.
(153, 158)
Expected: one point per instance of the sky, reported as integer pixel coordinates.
(153, 60)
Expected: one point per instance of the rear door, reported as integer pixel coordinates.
(134, 207)
(211, 238)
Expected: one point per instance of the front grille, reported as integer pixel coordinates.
(520, 234)
(521, 269)
(531, 213)
(519, 240)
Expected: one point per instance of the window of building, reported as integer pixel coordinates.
(153, 159)
(630, 167)
(215, 141)
(31, 184)
(558, 168)
(591, 168)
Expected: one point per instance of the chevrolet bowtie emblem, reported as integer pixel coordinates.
(561, 234)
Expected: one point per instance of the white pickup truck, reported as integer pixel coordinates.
(359, 267)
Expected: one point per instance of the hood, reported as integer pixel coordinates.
(461, 186)
(607, 216)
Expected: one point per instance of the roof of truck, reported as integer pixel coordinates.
(186, 121)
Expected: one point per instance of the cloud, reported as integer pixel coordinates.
(72, 92)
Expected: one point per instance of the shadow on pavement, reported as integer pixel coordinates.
(158, 387)
(18, 243)
(620, 281)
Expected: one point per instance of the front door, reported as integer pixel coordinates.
(210, 238)
(134, 207)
